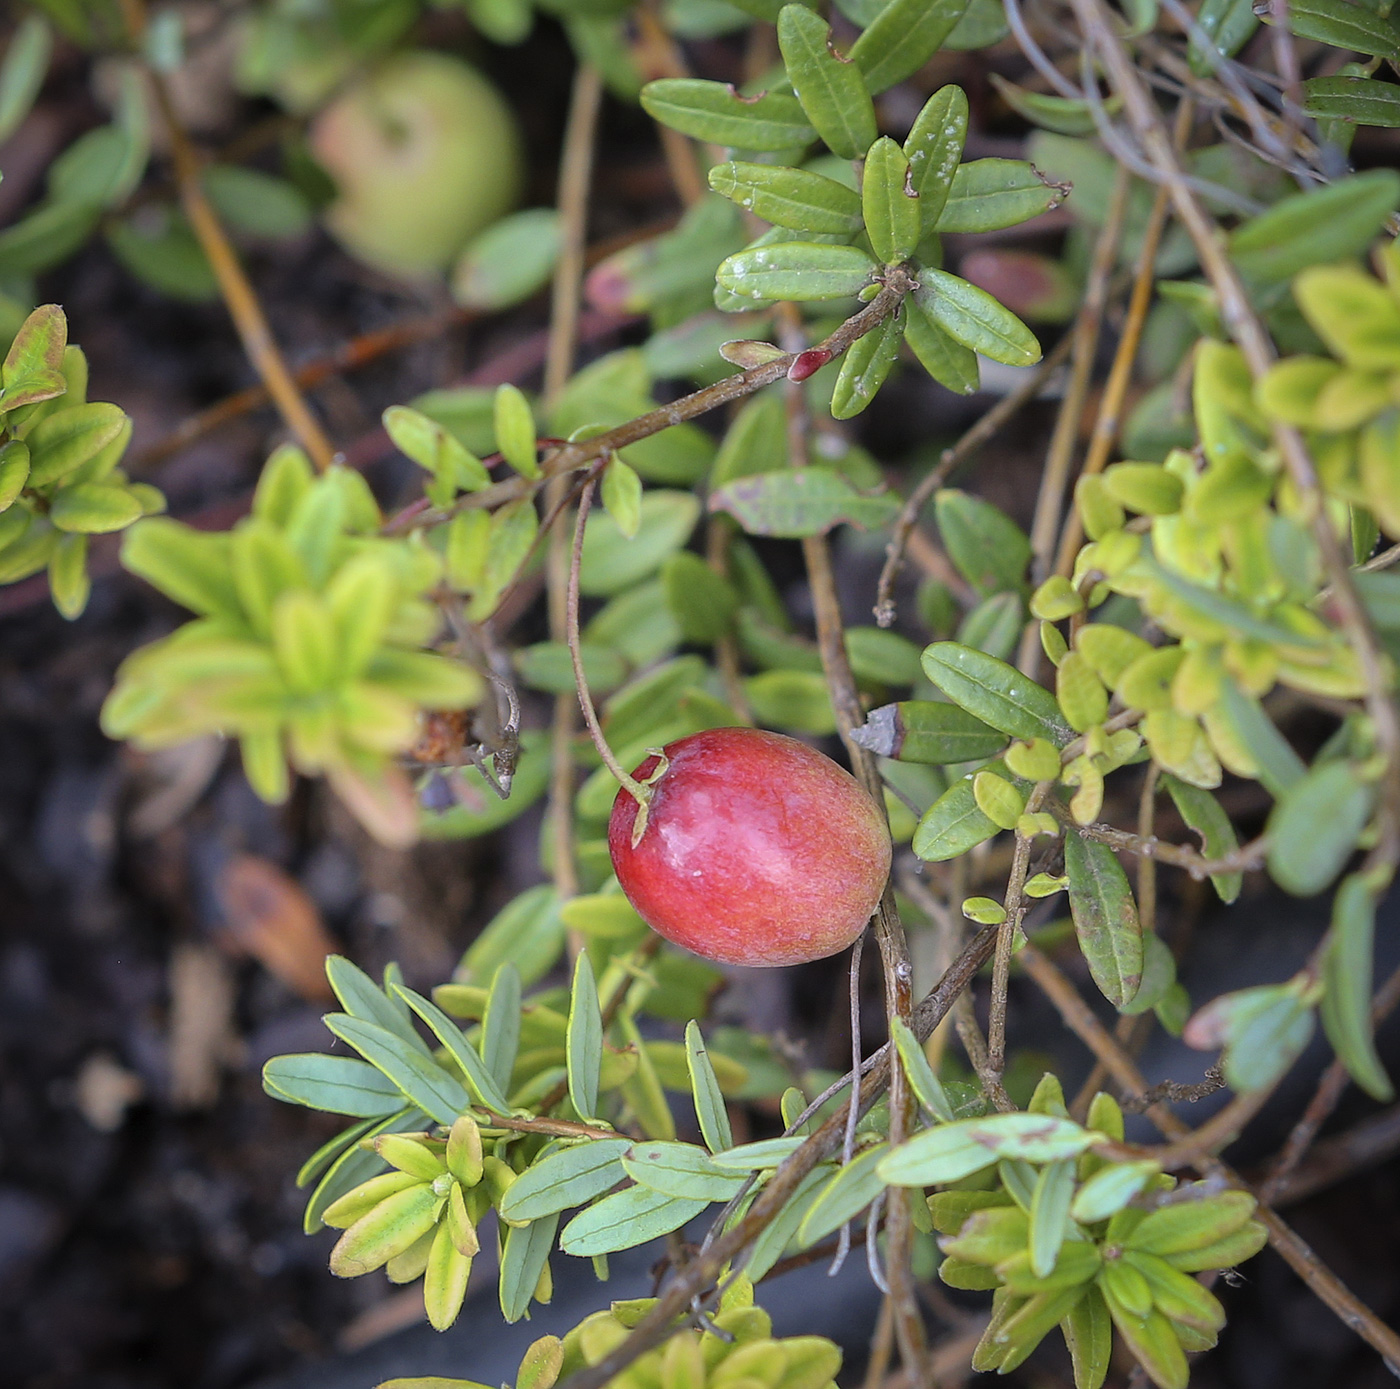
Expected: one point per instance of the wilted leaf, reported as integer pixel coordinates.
(267, 914)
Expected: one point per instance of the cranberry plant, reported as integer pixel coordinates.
(1047, 710)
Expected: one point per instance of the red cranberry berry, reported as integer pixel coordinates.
(755, 849)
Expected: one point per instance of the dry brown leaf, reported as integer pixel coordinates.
(268, 915)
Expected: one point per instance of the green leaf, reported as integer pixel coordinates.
(1054, 1189)
(889, 200)
(922, 1080)
(338, 1084)
(1186, 1226)
(321, 1159)
(989, 194)
(800, 270)
(483, 1086)
(1363, 100)
(527, 1249)
(68, 577)
(23, 71)
(1110, 1189)
(528, 933)
(1219, 608)
(585, 1039)
(429, 445)
(1342, 25)
(46, 236)
(902, 38)
(33, 367)
(995, 692)
(1347, 973)
(624, 1220)
(1315, 826)
(714, 111)
(794, 198)
(702, 601)
(881, 656)
(1320, 226)
(612, 562)
(1105, 918)
(515, 430)
(389, 1229)
(769, 1247)
(256, 203)
(1088, 1332)
(621, 495)
(943, 357)
(422, 1081)
(953, 824)
(989, 549)
(509, 543)
(680, 1170)
(445, 1278)
(482, 812)
(952, 1151)
(1262, 1031)
(567, 1177)
(164, 253)
(1064, 115)
(1226, 26)
(1203, 813)
(832, 91)
(801, 503)
(755, 442)
(972, 317)
(548, 666)
(355, 1164)
(866, 363)
(1151, 1339)
(844, 1197)
(754, 1157)
(509, 262)
(934, 148)
(362, 998)
(710, 1111)
(68, 438)
(1279, 767)
(500, 1030)
(94, 508)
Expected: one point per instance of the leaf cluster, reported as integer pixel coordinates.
(59, 454)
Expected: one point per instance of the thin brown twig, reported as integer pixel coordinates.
(1245, 858)
(575, 179)
(556, 1128)
(985, 428)
(237, 290)
(1015, 908)
(1373, 1140)
(590, 714)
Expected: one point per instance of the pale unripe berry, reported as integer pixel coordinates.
(424, 154)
